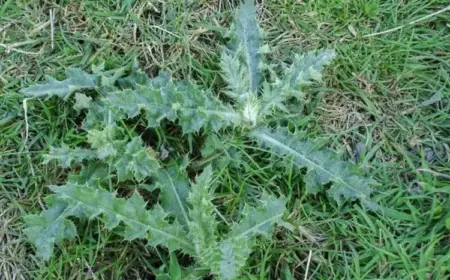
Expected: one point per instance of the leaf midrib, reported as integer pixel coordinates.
(124, 218)
(177, 196)
(274, 141)
(244, 24)
(60, 216)
(229, 114)
(252, 229)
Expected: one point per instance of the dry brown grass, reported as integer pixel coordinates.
(15, 261)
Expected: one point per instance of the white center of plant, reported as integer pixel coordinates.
(250, 112)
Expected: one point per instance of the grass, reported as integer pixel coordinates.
(370, 109)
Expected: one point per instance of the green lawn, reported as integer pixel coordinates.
(384, 102)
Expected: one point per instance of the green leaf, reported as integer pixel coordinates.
(135, 161)
(99, 116)
(76, 79)
(99, 68)
(248, 37)
(322, 167)
(90, 174)
(235, 74)
(82, 101)
(212, 145)
(163, 276)
(305, 69)
(108, 79)
(174, 267)
(174, 186)
(48, 228)
(233, 256)
(219, 153)
(132, 160)
(139, 222)
(234, 251)
(136, 78)
(106, 141)
(260, 220)
(65, 156)
(308, 67)
(202, 223)
(163, 99)
(226, 258)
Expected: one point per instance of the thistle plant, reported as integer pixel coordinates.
(185, 218)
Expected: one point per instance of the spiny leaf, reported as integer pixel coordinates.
(233, 256)
(322, 167)
(82, 101)
(136, 78)
(203, 224)
(260, 220)
(174, 187)
(163, 99)
(130, 160)
(48, 228)
(235, 250)
(140, 223)
(76, 79)
(308, 67)
(212, 145)
(91, 174)
(221, 153)
(215, 149)
(305, 69)
(106, 142)
(98, 116)
(248, 37)
(65, 156)
(135, 161)
(234, 73)
(108, 79)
